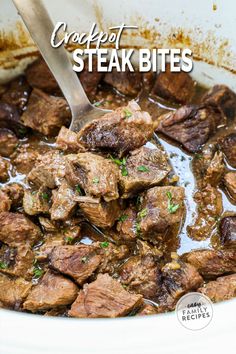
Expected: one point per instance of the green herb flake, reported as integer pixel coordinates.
(143, 169)
(97, 104)
(198, 156)
(123, 217)
(69, 240)
(137, 228)
(124, 171)
(22, 131)
(3, 265)
(78, 189)
(142, 213)
(104, 244)
(172, 208)
(119, 162)
(38, 272)
(45, 196)
(96, 180)
(127, 113)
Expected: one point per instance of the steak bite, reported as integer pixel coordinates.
(228, 231)
(67, 140)
(13, 292)
(221, 97)
(52, 291)
(145, 168)
(15, 192)
(210, 207)
(212, 263)
(230, 184)
(90, 80)
(228, 146)
(126, 225)
(97, 176)
(161, 208)
(101, 214)
(215, 170)
(224, 288)
(8, 142)
(63, 203)
(78, 262)
(5, 202)
(190, 125)
(49, 171)
(174, 86)
(17, 93)
(16, 229)
(105, 297)
(24, 158)
(112, 256)
(36, 202)
(122, 130)
(129, 83)
(4, 167)
(46, 114)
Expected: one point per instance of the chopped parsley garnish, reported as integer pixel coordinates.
(142, 213)
(38, 272)
(172, 208)
(198, 156)
(127, 113)
(123, 217)
(84, 259)
(143, 169)
(137, 228)
(122, 164)
(69, 239)
(45, 196)
(22, 130)
(96, 180)
(124, 171)
(104, 244)
(3, 265)
(78, 189)
(97, 104)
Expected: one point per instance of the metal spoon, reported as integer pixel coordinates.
(40, 27)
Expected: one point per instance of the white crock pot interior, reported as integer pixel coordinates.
(210, 32)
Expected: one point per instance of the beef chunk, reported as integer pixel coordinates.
(13, 292)
(67, 140)
(36, 202)
(15, 192)
(223, 98)
(126, 225)
(96, 175)
(38, 75)
(146, 168)
(17, 93)
(112, 256)
(120, 131)
(10, 119)
(4, 167)
(5, 202)
(90, 80)
(209, 202)
(49, 171)
(8, 142)
(215, 170)
(53, 291)
(79, 262)
(212, 263)
(128, 83)
(228, 146)
(161, 207)
(15, 229)
(46, 114)
(190, 125)
(24, 158)
(51, 241)
(228, 231)
(230, 183)
(105, 297)
(174, 86)
(63, 204)
(224, 288)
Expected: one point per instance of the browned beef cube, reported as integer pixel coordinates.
(5, 202)
(105, 297)
(101, 214)
(63, 203)
(13, 292)
(221, 97)
(8, 142)
(10, 119)
(53, 291)
(79, 262)
(46, 114)
(49, 171)
(161, 208)
(17, 93)
(190, 125)
(230, 184)
(210, 207)
(122, 130)
(228, 231)
(212, 263)
(15, 229)
(15, 192)
(215, 170)
(174, 86)
(36, 202)
(51, 241)
(24, 158)
(90, 80)
(4, 167)
(67, 140)
(126, 225)
(224, 288)
(112, 256)
(38, 75)
(145, 168)
(96, 175)
(228, 146)
(128, 83)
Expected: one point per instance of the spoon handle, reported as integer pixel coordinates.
(40, 27)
